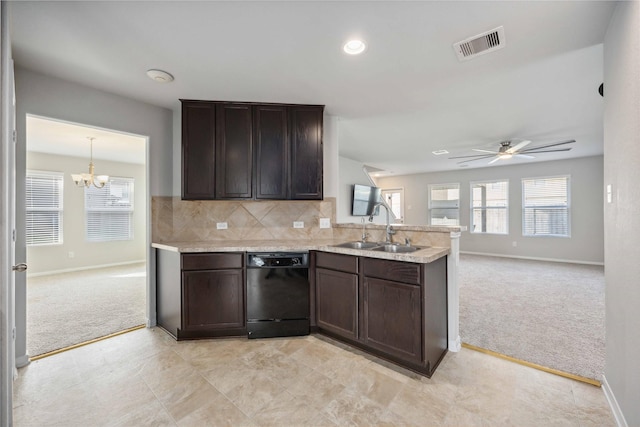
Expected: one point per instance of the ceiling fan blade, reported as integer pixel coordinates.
(473, 160)
(484, 151)
(549, 145)
(518, 146)
(478, 155)
(524, 156)
(547, 151)
(494, 160)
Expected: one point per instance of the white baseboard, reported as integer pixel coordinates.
(22, 361)
(613, 403)
(92, 267)
(572, 261)
(455, 345)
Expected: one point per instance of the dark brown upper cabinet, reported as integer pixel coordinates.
(198, 150)
(241, 150)
(234, 154)
(272, 151)
(306, 152)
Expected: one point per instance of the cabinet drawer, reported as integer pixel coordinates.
(212, 261)
(396, 271)
(346, 263)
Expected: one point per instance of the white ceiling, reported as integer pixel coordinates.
(406, 96)
(69, 139)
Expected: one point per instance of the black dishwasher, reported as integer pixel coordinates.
(277, 294)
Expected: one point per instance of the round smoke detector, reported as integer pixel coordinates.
(159, 76)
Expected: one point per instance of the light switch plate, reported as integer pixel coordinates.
(325, 223)
(221, 225)
(298, 224)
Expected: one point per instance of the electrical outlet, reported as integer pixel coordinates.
(514, 244)
(221, 225)
(325, 223)
(298, 224)
(72, 254)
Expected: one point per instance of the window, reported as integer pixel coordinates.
(444, 204)
(393, 197)
(489, 207)
(44, 208)
(109, 211)
(545, 206)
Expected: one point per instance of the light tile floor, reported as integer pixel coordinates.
(145, 378)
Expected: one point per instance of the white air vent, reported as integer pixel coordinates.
(480, 44)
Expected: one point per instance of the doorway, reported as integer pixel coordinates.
(86, 233)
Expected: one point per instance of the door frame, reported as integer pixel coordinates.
(22, 357)
(7, 221)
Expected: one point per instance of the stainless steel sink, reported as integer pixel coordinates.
(397, 248)
(358, 245)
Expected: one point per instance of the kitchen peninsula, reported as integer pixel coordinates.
(353, 292)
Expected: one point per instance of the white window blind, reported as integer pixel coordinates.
(43, 193)
(109, 211)
(444, 204)
(545, 206)
(489, 207)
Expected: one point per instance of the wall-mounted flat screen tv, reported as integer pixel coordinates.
(364, 200)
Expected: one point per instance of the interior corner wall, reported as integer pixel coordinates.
(622, 228)
(53, 258)
(586, 243)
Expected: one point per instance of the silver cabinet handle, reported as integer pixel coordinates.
(20, 267)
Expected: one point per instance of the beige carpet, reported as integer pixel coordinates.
(70, 308)
(547, 313)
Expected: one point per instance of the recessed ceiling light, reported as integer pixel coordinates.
(439, 152)
(159, 76)
(354, 47)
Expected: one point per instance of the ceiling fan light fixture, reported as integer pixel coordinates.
(159, 76)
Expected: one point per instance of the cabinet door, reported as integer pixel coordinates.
(234, 156)
(213, 299)
(337, 302)
(305, 130)
(198, 150)
(392, 318)
(271, 146)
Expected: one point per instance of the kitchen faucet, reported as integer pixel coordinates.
(364, 230)
(389, 230)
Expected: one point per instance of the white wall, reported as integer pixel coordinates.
(51, 258)
(622, 229)
(586, 242)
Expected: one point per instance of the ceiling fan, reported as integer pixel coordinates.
(507, 151)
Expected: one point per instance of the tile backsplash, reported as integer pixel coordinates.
(174, 219)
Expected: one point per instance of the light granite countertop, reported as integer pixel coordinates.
(425, 255)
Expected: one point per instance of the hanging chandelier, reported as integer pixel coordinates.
(86, 179)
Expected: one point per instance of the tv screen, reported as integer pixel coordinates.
(364, 200)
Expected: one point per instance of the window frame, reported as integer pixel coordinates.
(568, 207)
(130, 210)
(429, 201)
(472, 207)
(59, 177)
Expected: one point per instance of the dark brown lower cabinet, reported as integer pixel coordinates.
(393, 309)
(201, 295)
(393, 318)
(337, 302)
(213, 300)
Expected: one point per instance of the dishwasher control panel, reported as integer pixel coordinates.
(278, 259)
